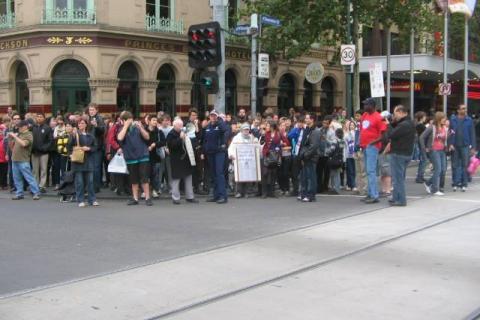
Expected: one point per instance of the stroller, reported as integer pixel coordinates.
(67, 188)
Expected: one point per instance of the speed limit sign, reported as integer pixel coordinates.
(347, 54)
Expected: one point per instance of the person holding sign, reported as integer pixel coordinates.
(244, 152)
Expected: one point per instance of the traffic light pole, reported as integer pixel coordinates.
(219, 16)
(254, 76)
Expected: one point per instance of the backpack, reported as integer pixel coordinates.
(335, 160)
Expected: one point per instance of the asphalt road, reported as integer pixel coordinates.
(44, 243)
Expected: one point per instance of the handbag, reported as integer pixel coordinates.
(78, 155)
(273, 159)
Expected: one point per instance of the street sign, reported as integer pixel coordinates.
(242, 29)
(348, 54)
(314, 72)
(271, 21)
(263, 66)
(377, 87)
(445, 89)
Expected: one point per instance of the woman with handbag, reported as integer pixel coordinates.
(272, 158)
(284, 170)
(81, 147)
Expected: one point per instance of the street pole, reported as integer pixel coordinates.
(445, 58)
(465, 78)
(389, 67)
(348, 73)
(412, 75)
(219, 16)
(253, 86)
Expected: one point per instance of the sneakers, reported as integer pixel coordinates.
(142, 195)
(454, 189)
(81, 205)
(36, 197)
(155, 194)
(427, 187)
(464, 189)
(222, 201)
(148, 202)
(371, 201)
(132, 202)
(438, 193)
(95, 204)
(18, 198)
(192, 200)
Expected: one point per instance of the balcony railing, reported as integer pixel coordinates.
(7, 21)
(69, 16)
(166, 25)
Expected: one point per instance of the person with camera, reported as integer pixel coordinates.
(97, 129)
(309, 155)
(133, 139)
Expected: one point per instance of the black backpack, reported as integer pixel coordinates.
(335, 160)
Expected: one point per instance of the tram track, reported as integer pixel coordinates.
(475, 315)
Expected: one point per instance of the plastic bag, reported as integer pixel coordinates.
(118, 165)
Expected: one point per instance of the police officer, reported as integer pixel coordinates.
(215, 138)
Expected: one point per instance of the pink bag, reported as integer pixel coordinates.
(473, 166)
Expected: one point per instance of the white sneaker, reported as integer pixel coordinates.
(438, 193)
(142, 195)
(81, 205)
(95, 204)
(454, 189)
(464, 189)
(154, 194)
(427, 187)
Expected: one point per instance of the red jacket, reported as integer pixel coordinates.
(111, 140)
(3, 152)
(273, 143)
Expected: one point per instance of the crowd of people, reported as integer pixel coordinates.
(301, 155)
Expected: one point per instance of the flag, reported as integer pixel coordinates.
(462, 6)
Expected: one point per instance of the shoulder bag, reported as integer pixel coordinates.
(78, 155)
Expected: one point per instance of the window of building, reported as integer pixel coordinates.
(7, 7)
(71, 4)
(232, 13)
(160, 8)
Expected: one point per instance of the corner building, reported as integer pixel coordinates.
(60, 55)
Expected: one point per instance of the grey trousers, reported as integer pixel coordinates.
(39, 168)
(187, 181)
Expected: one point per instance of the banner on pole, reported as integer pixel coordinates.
(377, 87)
(263, 66)
(462, 6)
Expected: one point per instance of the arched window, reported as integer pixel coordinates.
(166, 90)
(327, 96)
(22, 95)
(286, 94)
(71, 91)
(230, 92)
(307, 96)
(127, 92)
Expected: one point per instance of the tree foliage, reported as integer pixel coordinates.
(324, 22)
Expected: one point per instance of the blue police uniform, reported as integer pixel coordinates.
(215, 138)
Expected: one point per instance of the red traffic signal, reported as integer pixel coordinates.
(204, 45)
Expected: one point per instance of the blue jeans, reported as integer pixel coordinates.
(155, 176)
(439, 161)
(351, 173)
(22, 170)
(82, 177)
(371, 159)
(335, 179)
(309, 180)
(421, 167)
(460, 160)
(216, 163)
(98, 168)
(398, 166)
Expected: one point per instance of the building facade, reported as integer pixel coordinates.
(59, 55)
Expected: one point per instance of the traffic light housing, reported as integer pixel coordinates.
(204, 45)
(209, 81)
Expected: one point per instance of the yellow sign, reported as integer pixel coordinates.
(69, 40)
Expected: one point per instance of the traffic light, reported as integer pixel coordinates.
(209, 81)
(204, 45)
